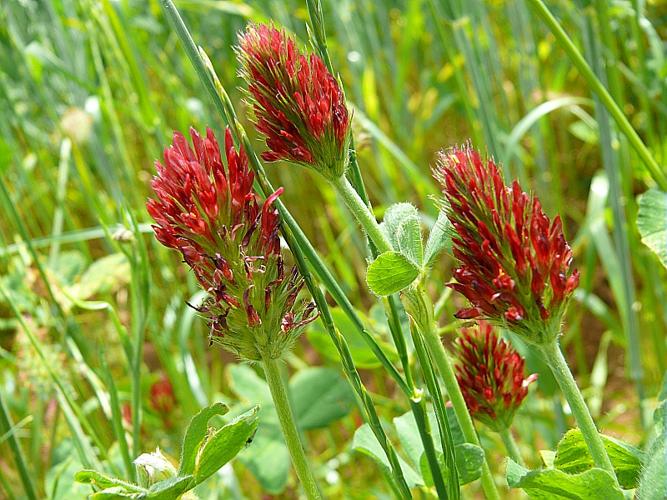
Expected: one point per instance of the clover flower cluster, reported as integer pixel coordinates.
(298, 104)
(210, 213)
(514, 263)
(491, 376)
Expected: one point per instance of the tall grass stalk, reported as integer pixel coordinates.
(600, 90)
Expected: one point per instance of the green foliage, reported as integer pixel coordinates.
(469, 457)
(653, 481)
(362, 354)
(320, 396)
(652, 222)
(205, 450)
(544, 484)
(390, 273)
(573, 457)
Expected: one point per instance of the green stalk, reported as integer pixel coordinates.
(368, 409)
(288, 426)
(453, 489)
(620, 229)
(556, 361)
(362, 213)
(7, 426)
(596, 86)
(418, 300)
(510, 445)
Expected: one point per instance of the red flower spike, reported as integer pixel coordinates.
(491, 375)
(162, 396)
(210, 213)
(298, 104)
(514, 263)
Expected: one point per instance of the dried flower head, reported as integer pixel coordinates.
(514, 264)
(212, 215)
(297, 102)
(490, 373)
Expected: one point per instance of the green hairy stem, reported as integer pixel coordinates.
(288, 426)
(556, 361)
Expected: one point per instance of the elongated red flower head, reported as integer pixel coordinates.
(212, 215)
(491, 375)
(514, 264)
(298, 104)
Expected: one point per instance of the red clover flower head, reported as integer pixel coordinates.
(211, 214)
(491, 375)
(514, 265)
(298, 104)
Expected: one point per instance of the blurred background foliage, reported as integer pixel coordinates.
(92, 310)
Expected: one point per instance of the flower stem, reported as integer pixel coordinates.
(362, 213)
(510, 444)
(556, 361)
(288, 426)
(417, 298)
(444, 366)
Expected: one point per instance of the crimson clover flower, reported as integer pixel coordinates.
(211, 214)
(514, 263)
(491, 375)
(299, 106)
(162, 395)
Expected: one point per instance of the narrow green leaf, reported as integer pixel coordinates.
(554, 484)
(572, 456)
(652, 222)
(195, 435)
(390, 273)
(225, 444)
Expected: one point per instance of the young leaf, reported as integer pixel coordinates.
(195, 435)
(554, 484)
(323, 396)
(391, 272)
(572, 456)
(104, 481)
(652, 222)
(225, 444)
(402, 227)
(394, 216)
(438, 239)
